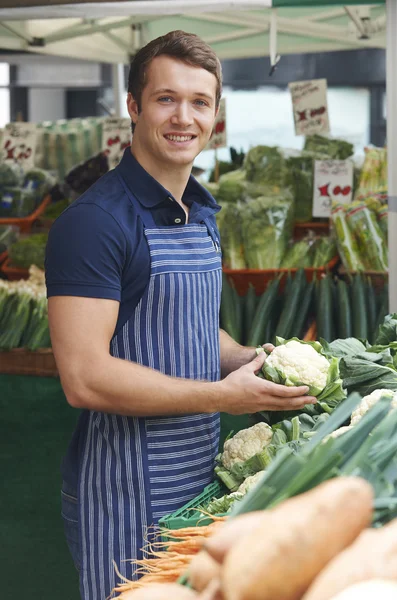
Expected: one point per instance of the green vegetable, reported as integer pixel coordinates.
(231, 236)
(231, 186)
(29, 251)
(348, 247)
(297, 255)
(360, 320)
(266, 229)
(325, 306)
(364, 228)
(332, 148)
(265, 165)
(344, 317)
(322, 251)
(256, 335)
(292, 305)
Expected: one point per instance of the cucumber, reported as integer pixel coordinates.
(228, 309)
(371, 309)
(303, 311)
(290, 310)
(262, 315)
(325, 328)
(344, 315)
(359, 311)
(238, 314)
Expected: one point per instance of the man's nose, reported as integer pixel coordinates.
(183, 114)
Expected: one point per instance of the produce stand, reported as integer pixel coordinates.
(20, 361)
(25, 224)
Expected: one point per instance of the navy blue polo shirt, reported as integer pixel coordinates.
(97, 247)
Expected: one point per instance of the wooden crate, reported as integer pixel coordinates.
(21, 361)
(13, 273)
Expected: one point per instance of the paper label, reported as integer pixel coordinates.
(19, 144)
(116, 137)
(218, 137)
(333, 182)
(310, 107)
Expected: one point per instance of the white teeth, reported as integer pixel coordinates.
(179, 138)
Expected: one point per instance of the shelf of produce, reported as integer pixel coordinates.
(241, 278)
(13, 273)
(21, 361)
(25, 224)
(378, 278)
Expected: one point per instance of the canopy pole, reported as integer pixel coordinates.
(118, 88)
(391, 90)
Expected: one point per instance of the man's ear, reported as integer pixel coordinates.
(132, 107)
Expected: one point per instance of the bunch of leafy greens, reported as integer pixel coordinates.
(266, 224)
(266, 165)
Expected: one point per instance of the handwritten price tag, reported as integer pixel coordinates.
(19, 144)
(333, 181)
(116, 136)
(218, 137)
(309, 103)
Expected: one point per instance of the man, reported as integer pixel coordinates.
(134, 279)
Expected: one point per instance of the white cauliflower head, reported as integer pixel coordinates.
(249, 482)
(245, 444)
(300, 363)
(369, 401)
(338, 432)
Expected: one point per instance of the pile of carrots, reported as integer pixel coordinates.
(315, 546)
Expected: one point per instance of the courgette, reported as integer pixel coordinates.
(343, 315)
(256, 335)
(228, 309)
(249, 311)
(371, 308)
(325, 328)
(303, 311)
(359, 311)
(291, 305)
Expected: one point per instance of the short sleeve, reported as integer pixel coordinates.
(85, 254)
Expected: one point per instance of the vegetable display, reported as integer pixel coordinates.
(23, 313)
(29, 251)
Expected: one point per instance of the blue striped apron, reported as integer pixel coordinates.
(136, 470)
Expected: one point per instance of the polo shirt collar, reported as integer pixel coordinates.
(150, 192)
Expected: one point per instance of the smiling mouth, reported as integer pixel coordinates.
(180, 138)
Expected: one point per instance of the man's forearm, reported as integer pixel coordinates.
(117, 386)
(233, 355)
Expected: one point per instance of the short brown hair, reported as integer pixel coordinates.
(187, 47)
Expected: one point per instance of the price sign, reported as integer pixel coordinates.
(218, 137)
(116, 136)
(19, 144)
(310, 107)
(333, 181)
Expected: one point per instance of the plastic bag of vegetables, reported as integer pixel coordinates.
(266, 229)
(333, 148)
(365, 229)
(295, 362)
(383, 219)
(231, 186)
(347, 245)
(229, 223)
(298, 254)
(266, 165)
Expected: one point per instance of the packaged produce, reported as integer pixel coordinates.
(231, 186)
(364, 228)
(29, 251)
(383, 221)
(266, 165)
(8, 235)
(266, 228)
(298, 254)
(230, 230)
(11, 175)
(333, 148)
(347, 244)
(322, 251)
(373, 178)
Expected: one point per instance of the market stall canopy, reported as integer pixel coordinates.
(113, 31)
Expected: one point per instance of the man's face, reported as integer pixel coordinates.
(177, 111)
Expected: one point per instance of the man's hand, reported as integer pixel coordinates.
(244, 392)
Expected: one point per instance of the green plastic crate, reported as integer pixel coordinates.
(187, 516)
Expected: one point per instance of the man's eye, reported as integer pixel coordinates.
(165, 99)
(201, 102)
